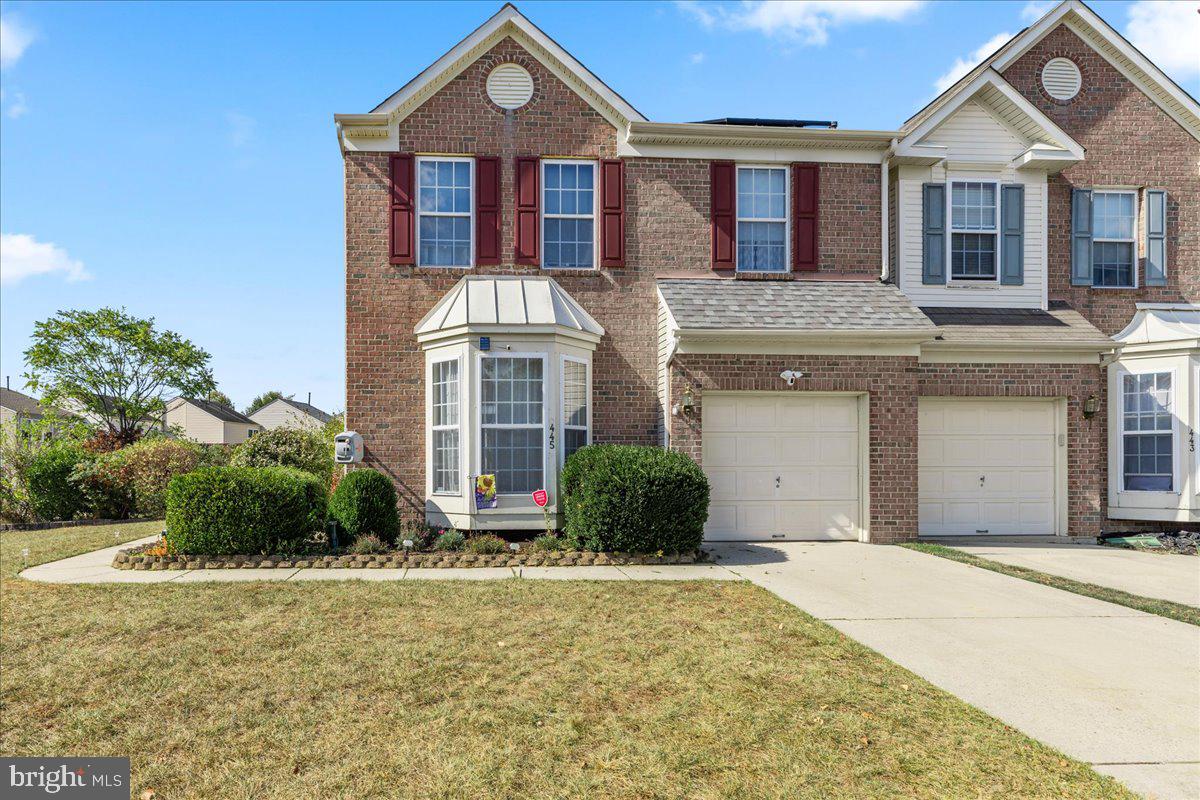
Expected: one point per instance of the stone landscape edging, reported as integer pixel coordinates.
(134, 558)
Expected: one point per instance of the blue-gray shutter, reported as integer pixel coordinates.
(1156, 237)
(1012, 234)
(1081, 237)
(933, 229)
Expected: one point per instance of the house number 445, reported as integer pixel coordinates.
(551, 443)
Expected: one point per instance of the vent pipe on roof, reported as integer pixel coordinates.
(310, 398)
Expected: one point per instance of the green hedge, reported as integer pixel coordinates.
(287, 447)
(633, 499)
(52, 493)
(363, 503)
(243, 510)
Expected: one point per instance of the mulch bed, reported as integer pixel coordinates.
(1184, 542)
(136, 558)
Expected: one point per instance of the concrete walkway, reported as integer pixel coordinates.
(1103, 683)
(1160, 575)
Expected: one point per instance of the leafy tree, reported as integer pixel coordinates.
(119, 368)
(263, 399)
(220, 398)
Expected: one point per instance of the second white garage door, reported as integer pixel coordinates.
(782, 466)
(987, 467)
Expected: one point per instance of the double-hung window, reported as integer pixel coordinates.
(1113, 250)
(1147, 430)
(444, 229)
(445, 432)
(973, 231)
(512, 413)
(762, 202)
(568, 214)
(574, 405)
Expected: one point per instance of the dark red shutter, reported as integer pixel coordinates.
(806, 197)
(526, 211)
(724, 214)
(612, 213)
(487, 211)
(401, 239)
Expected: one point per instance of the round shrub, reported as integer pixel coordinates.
(450, 540)
(106, 492)
(363, 503)
(633, 499)
(486, 544)
(287, 447)
(52, 493)
(243, 510)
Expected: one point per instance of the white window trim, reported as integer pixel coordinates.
(470, 160)
(1137, 207)
(950, 231)
(594, 216)
(787, 215)
(562, 404)
(1176, 439)
(458, 427)
(547, 459)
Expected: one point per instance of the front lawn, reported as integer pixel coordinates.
(56, 543)
(514, 688)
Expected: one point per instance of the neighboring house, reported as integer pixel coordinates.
(76, 408)
(981, 322)
(16, 411)
(287, 413)
(208, 422)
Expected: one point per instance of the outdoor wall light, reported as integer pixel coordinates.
(687, 403)
(790, 376)
(1089, 406)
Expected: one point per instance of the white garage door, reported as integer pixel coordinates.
(987, 467)
(781, 466)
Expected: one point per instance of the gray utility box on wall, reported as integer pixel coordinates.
(348, 448)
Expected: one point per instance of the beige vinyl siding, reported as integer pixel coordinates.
(279, 414)
(893, 223)
(195, 424)
(973, 133)
(236, 432)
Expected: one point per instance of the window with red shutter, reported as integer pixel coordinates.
(487, 211)
(401, 239)
(806, 191)
(724, 214)
(612, 213)
(526, 211)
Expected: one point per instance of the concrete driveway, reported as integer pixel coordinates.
(1106, 684)
(1159, 575)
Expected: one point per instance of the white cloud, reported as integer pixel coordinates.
(241, 128)
(696, 58)
(1036, 9)
(803, 21)
(17, 107)
(22, 256)
(14, 39)
(964, 65)
(1169, 34)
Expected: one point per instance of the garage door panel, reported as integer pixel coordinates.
(796, 449)
(796, 416)
(720, 414)
(722, 484)
(755, 517)
(839, 483)
(841, 449)
(719, 450)
(816, 520)
(837, 415)
(756, 450)
(1011, 444)
(756, 484)
(757, 414)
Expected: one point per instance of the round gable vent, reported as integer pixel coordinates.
(509, 86)
(1061, 78)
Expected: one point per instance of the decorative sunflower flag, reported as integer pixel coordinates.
(485, 491)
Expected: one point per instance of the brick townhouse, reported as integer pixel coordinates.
(980, 322)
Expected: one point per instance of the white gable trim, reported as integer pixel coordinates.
(911, 145)
(509, 22)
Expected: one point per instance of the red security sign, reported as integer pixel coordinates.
(541, 498)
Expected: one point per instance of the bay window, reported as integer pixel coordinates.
(574, 406)
(1113, 249)
(568, 214)
(1148, 432)
(511, 414)
(973, 231)
(444, 209)
(762, 223)
(445, 434)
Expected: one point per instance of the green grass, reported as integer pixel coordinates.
(498, 689)
(1163, 608)
(56, 543)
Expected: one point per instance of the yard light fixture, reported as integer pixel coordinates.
(514, 546)
(407, 543)
(1089, 406)
(687, 403)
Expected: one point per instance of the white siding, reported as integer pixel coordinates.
(972, 133)
(664, 375)
(1032, 294)
(196, 424)
(279, 414)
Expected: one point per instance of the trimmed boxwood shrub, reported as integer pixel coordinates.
(633, 499)
(363, 503)
(243, 510)
(52, 493)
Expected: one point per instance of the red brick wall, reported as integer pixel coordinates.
(1130, 141)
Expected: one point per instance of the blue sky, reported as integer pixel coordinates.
(179, 159)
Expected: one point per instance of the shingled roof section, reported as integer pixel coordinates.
(1061, 324)
(309, 409)
(223, 413)
(711, 304)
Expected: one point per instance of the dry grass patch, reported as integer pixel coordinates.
(499, 689)
(56, 543)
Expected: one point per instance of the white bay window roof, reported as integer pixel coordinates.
(508, 305)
